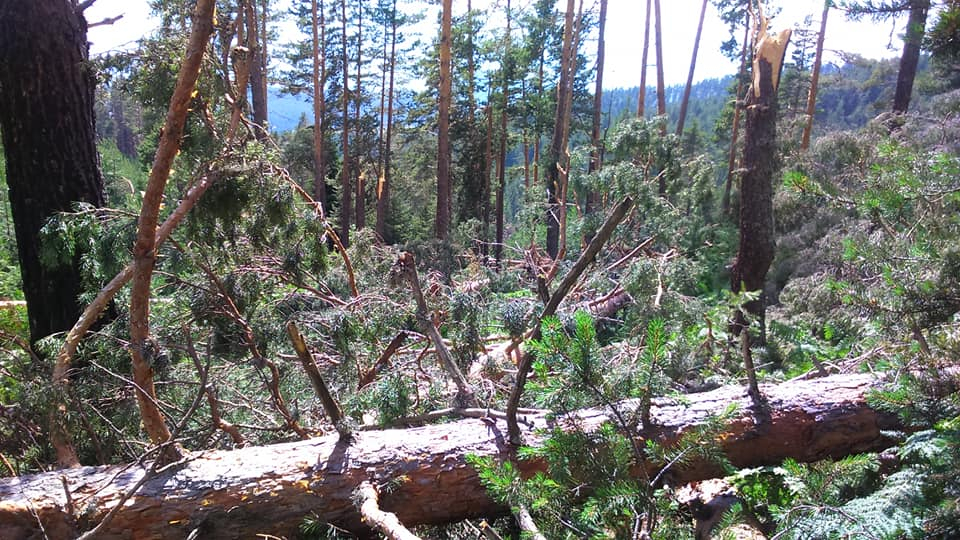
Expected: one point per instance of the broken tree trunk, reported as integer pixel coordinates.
(270, 489)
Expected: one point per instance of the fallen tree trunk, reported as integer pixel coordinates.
(421, 472)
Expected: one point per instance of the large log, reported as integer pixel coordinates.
(422, 471)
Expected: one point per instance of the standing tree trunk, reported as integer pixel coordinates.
(815, 78)
(361, 209)
(916, 25)
(472, 62)
(319, 78)
(661, 98)
(502, 161)
(760, 164)
(383, 193)
(642, 99)
(125, 139)
(595, 150)
(444, 187)
(258, 83)
(681, 119)
(345, 184)
(555, 188)
(737, 107)
(47, 120)
(488, 112)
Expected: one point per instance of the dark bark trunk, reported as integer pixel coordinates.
(555, 187)
(502, 161)
(681, 119)
(319, 78)
(757, 241)
(444, 182)
(346, 186)
(361, 209)
(271, 489)
(916, 25)
(487, 172)
(258, 83)
(125, 138)
(47, 121)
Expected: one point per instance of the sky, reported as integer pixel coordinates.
(624, 35)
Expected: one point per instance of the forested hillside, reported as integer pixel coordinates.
(306, 270)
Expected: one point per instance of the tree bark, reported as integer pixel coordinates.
(737, 107)
(47, 121)
(815, 78)
(661, 98)
(444, 188)
(319, 67)
(916, 25)
(360, 214)
(555, 187)
(595, 150)
(383, 193)
(502, 159)
(234, 494)
(142, 345)
(757, 240)
(345, 184)
(681, 119)
(642, 98)
(258, 83)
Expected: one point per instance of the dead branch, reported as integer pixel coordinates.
(371, 374)
(587, 257)
(405, 269)
(330, 404)
(368, 501)
(212, 400)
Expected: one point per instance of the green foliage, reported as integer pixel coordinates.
(592, 487)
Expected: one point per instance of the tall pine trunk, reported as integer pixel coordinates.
(143, 347)
(681, 119)
(757, 240)
(737, 107)
(444, 182)
(916, 25)
(661, 98)
(642, 99)
(502, 167)
(815, 78)
(555, 187)
(383, 193)
(361, 209)
(345, 183)
(258, 84)
(595, 150)
(319, 67)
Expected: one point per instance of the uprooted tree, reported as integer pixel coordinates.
(422, 473)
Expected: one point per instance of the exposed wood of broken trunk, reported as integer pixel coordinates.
(233, 494)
